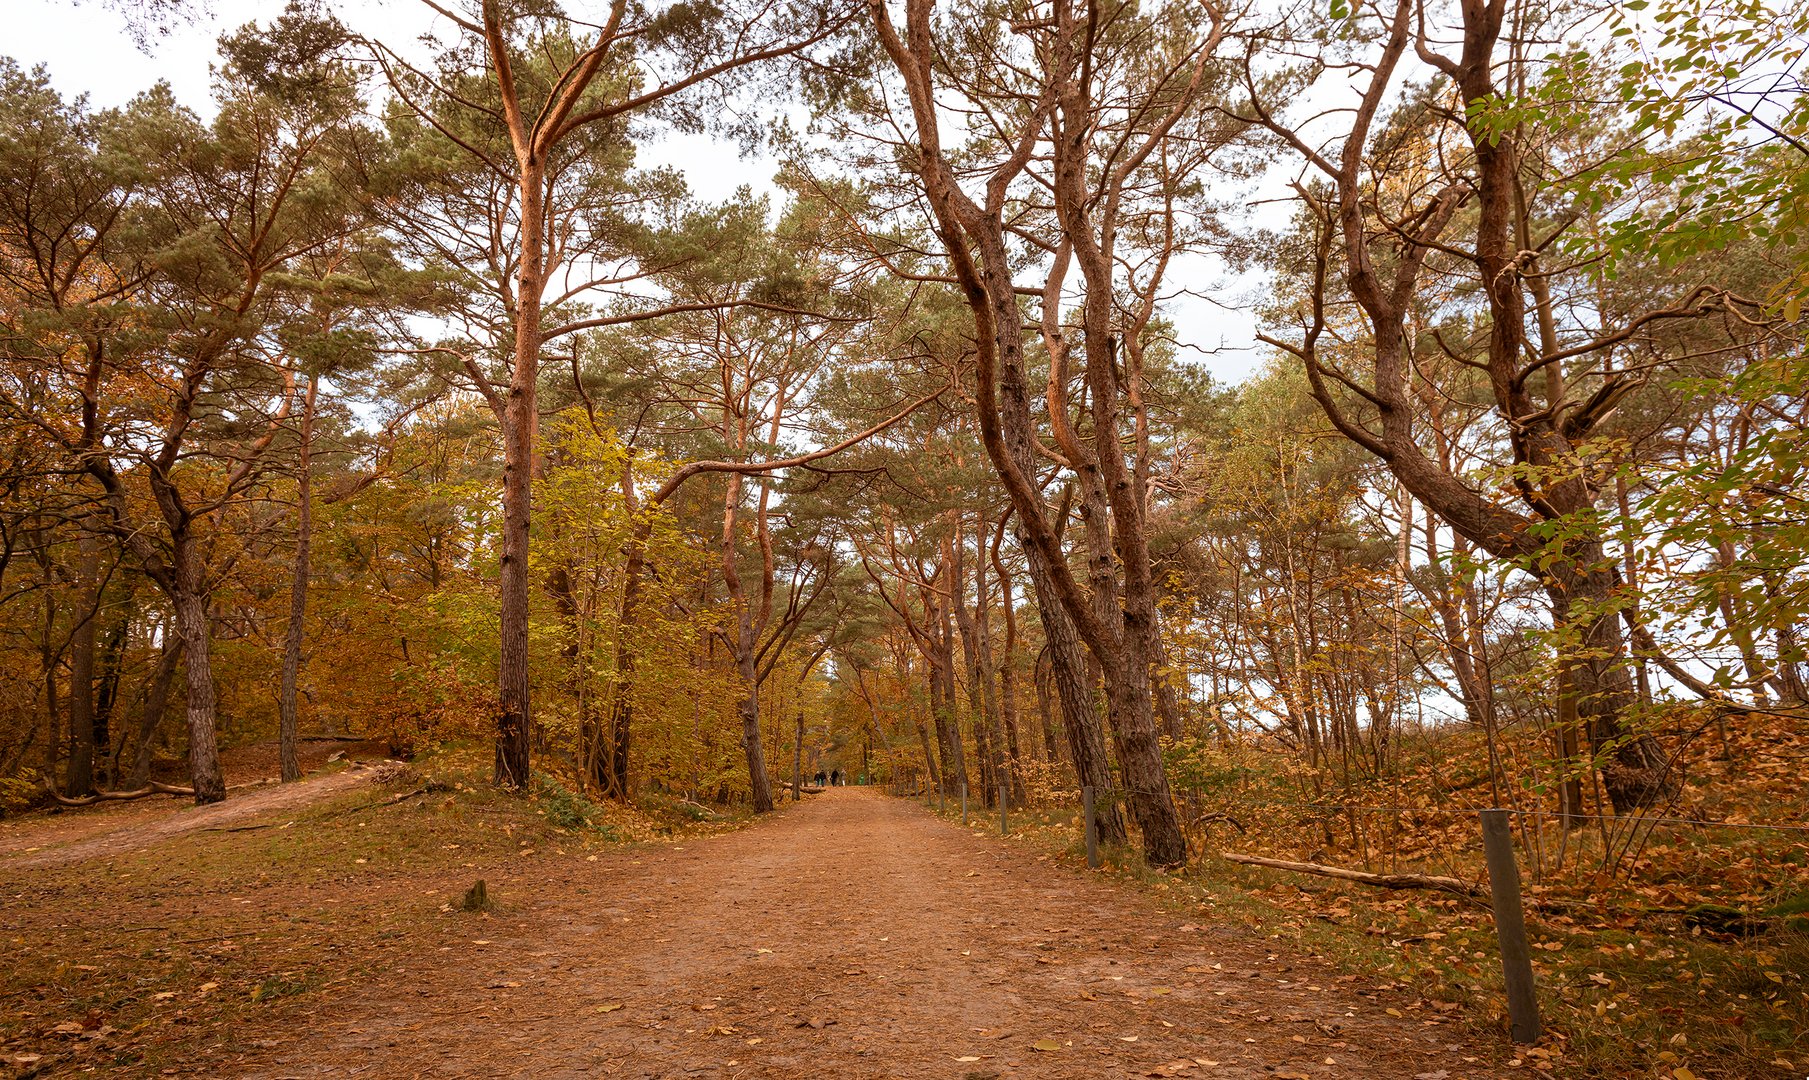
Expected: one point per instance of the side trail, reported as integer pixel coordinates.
(858, 936)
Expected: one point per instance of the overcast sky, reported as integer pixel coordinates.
(89, 49)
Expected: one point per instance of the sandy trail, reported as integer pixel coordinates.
(857, 936)
(106, 831)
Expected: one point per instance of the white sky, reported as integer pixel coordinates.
(88, 49)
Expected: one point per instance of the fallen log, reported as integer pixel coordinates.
(153, 788)
(1364, 877)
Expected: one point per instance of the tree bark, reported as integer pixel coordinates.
(1068, 665)
(1594, 678)
(1009, 710)
(298, 589)
(79, 778)
(106, 695)
(615, 740)
(519, 422)
(192, 622)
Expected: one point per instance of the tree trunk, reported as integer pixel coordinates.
(1009, 711)
(942, 670)
(298, 588)
(190, 599)
(1068, 663)
(1638, 773)
(979, 705)
(797, 762)
(519, 420)
(759, 785)
(612, 775)
(106, 696)
(79, 779)
(1043, 677)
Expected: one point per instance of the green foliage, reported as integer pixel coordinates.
(1746, 502)
(566, 809)
(1710, 147)
(19, 792)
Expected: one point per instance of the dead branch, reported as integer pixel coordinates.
(1363, 877)
(153, 788)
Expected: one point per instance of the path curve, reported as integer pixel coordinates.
(94, 833)
(858, 936)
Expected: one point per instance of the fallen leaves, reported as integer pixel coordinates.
(1182, 1065)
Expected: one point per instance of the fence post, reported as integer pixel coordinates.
(964, 802)
(1510, 926)
(1092, 827)
(1004, 802)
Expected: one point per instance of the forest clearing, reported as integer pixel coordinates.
(939, 538)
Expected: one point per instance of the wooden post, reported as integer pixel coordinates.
(1510, 926)
(1004, 802)
(1092, 827)
(964, 802)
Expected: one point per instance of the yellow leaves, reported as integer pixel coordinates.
(1046, 1045)
(609, 1007)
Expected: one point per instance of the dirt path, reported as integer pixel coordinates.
(855, 936)
(105, 831)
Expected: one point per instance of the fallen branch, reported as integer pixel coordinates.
(153, 788)
(387, 800)
(1215, 818)
(1363, 877)
(250, 828)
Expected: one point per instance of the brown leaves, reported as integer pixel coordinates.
(1182, 1065)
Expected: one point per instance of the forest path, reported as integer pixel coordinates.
(856, 936)
(110, 829)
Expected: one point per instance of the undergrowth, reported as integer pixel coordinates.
(1670, 950)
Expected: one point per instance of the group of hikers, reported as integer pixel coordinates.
(833, 778)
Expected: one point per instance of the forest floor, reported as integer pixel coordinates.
(853, 935)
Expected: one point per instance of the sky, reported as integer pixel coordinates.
(89, 49)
